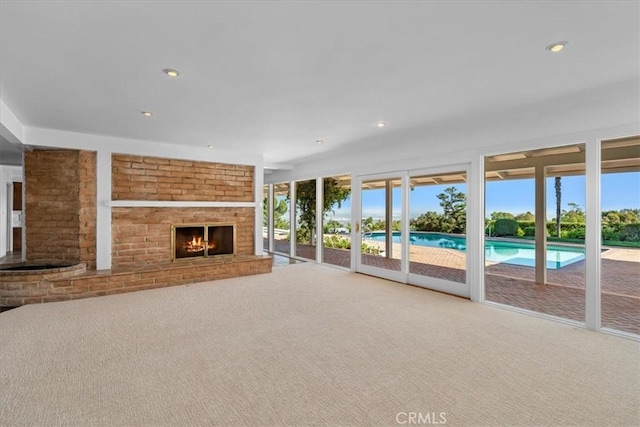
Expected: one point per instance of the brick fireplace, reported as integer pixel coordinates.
(151, 197)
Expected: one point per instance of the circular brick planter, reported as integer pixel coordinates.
(25, 286)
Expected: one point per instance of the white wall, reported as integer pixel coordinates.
(566, 119)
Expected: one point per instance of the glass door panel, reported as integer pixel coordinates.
(336, 221)
(438, 224)
(535, 224)
(281, 226)
(267, 228)
(305, 226)
(620, 256)
(381, 226)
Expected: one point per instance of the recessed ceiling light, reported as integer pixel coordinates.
(171, 72)
(381, 124)
(210, 147)
(319, 141)
(557, 46)
(146, 113)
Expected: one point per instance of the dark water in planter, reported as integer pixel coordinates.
(34, 267)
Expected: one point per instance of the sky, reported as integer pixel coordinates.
(619, 191)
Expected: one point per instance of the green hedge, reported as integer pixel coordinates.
(574, 230)
(505, 227)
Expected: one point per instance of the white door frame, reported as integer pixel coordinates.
(397, 276)
(434, 283)
(404, 276)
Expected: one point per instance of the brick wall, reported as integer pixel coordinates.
(60, 206)
(142, 236)
(152, 178)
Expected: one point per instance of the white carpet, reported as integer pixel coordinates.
(306, 345)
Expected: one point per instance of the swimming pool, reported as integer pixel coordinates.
(515, 253)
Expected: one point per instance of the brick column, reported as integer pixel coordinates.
(60, 206)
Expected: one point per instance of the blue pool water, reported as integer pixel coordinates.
(515, 253)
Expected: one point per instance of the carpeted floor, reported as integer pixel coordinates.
(306, 345)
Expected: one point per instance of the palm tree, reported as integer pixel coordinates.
(558, 204)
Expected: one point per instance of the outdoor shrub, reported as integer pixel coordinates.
(530, 231)
(337, 242)
(520, 232)
(629, 233)
(609, 233)
(576, 233)
(303, 235)
(505, 227)
(564, 227)
(526, 224)
(369, 249)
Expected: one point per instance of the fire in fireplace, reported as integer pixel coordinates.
(203, 240)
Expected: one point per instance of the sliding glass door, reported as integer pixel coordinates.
(438, 231)
(620, 222)
(379, 232)
(535, 230)
(412, 228)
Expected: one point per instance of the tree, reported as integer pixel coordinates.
(575, 214)
(429, 221)
(501, 215)
(279, 209)
(454, 205)
(334, 194)
(265, 212)
(629, 216)
(331, 226)
(527, 216)
(558, 186)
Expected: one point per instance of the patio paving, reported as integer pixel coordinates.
(562, 296)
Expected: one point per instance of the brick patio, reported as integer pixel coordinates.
(563, 296)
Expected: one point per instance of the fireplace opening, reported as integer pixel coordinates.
(203, 240)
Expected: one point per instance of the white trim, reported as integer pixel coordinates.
(538, 314)
(440, 285)
(319, 219)
(103, 210)
(404, 225)
(356, 224)
(383, 273)
(11, 128)
(621, 334)
(178, 204)
(271, 222)
(258, 180)
(475, 229)
(593, 233)
(292, 219)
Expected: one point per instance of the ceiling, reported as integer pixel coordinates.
(275, 77)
